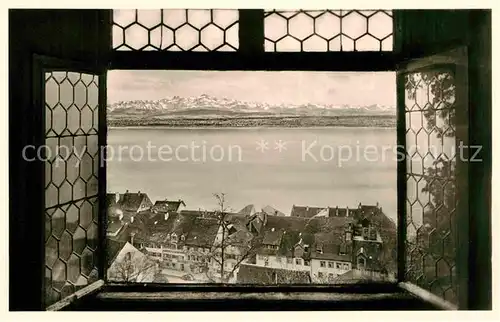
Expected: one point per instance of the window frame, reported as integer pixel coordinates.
(250, 57)
(42, 64)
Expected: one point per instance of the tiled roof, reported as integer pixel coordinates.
(287, 232)
(131, 201)
(250, 274)
(167, 205)
(304, 211)
(114, 226)
(273, 237)
(272, 211)
(111, 199)
(203, 232)
(247, 210)
(112, 249)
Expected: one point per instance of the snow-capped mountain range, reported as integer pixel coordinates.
(208, 105)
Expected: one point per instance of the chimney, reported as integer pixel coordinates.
(359, 206)
(347, 211)
(166, 216)
(132, 235)
(336, 210)
(139, 192)
(377, 204)
(126, 191)
(117, 197)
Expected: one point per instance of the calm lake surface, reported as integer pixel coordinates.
(262, 166)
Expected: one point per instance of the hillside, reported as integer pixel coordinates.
(209, 111)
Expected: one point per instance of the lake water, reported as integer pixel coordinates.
(263, 166)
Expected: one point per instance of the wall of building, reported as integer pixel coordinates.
(82, 35)
(316, 267)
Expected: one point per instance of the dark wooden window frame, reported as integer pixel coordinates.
(251, 56)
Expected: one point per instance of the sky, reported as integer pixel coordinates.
(277, 87)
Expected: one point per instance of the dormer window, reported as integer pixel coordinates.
(183, 238)
(319, 249)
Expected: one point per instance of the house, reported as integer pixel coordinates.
(127, 204)
(272, 211)
(184, 240)
(127, 264)
(305, 211)
(163, 206)
(135, 202)
(251, 274)
(323, 246)
(248, 210)
(235, 242)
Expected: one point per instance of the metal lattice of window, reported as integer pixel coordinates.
(71, 187)
(431, 182)
(328, 30)
(176, 30)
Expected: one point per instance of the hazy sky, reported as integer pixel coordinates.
(293, 87)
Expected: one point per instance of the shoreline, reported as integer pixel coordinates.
(218, 127)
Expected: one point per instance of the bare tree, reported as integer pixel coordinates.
(133, 267)
(230, 243)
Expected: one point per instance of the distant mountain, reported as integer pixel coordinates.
(205, 105)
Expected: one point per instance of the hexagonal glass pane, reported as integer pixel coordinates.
(315, 43)
(174, 17)
(232, 39)
(275, 27)
(301, 26)
(367, 43)
(161, 37)
(72, 218)
(65, 192)
(212, 37)
(124, 17)
(288, 44)
(224, 18)
(85, 214)
(65, 246)
(51, 251)
(380, 25)
(87, 262)
(58, 222)
(198, 18)
(186, 37)
(73, 119)
(73, 268)
(66, 93)
(149, 18)
(92, 234)
(354, 25)
(79, 241)
(136, 36)
(58, 118)
(58, 275)
(118, 37)
(327, 25)
(51, 92)
(86, 119)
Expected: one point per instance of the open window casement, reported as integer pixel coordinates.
(69, 98)
(433, 210)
